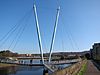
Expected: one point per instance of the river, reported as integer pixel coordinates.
(26, 70)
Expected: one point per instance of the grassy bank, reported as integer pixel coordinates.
(4, 65)
(83, 69)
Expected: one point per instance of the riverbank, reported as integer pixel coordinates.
(71, 70)
(83, 69)
(5, 65)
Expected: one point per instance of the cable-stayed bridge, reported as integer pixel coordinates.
(50, 65)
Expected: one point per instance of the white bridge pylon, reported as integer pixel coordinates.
(54, 33)
(48, 66)
(38, 33)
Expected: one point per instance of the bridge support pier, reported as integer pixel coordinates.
(45, 72)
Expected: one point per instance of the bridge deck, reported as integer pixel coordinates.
(46, 62)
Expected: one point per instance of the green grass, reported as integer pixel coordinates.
(83, 69)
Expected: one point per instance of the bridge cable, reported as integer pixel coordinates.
(12, 30)
(17, 33)
(17, 40)
(73, 42)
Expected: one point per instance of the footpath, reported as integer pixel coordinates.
(91, 69)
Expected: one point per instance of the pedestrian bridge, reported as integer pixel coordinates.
(31, 57)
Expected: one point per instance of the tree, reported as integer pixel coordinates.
(87, 55)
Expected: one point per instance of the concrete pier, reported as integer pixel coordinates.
(45, 72)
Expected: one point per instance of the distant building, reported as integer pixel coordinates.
(28, 55)
(95, 51)
(22, 55)
(25, 55)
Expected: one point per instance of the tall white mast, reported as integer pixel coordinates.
(38, 33)
(54, 33)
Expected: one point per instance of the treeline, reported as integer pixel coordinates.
(8, 53)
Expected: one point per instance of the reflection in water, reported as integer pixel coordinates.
(22, 70)
(29, 68)
(7, 71)
(25, 70)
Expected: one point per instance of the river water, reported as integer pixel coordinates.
(26, 70)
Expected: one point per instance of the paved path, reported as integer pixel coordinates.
(91, 69)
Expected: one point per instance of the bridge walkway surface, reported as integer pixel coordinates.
(91, 69)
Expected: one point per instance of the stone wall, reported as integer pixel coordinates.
(71, 70)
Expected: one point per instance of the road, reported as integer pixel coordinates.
(91, 69)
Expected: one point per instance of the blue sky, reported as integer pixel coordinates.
(78, 27)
